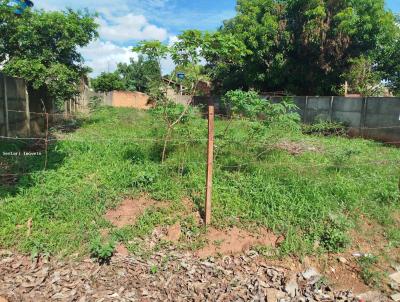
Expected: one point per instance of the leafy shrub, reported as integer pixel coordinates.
(325, 128)
(334, 240)
(250, 105)
(341, 158)
(145, 176)
(242, 103)
(368, 274)
(136, 154)
(334, 236)
(94, 103)
(172, 111)
(101, 251)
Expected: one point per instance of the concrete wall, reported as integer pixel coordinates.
(14, 107)
(22, 108)
(370, 117)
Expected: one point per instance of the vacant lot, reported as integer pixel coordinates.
(279, 190)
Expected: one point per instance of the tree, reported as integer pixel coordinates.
(305, 46)
(42, 48)
(363, 78)
(108, 81)
(192, 47)
(139, 75)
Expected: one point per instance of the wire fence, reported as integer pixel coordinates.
(45, 142)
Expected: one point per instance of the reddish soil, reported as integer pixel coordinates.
(369, 237)
(234, 241)
(128, 211)
(342, 275)
(121, 250)
(174, 233)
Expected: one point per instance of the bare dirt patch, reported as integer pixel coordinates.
(297, 148)
(234, 241)
(121, 250)
(342, 275)
(128, 211)
(174, 233)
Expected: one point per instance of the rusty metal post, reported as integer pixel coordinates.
(210, 158)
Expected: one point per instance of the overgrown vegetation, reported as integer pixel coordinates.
(312, 198)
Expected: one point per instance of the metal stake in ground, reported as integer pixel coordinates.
(210, 157)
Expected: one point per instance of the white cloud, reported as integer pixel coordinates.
(129, 27)
(127, 21)
(104, 56)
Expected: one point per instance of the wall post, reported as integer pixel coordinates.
(331, 109)
(6, 106)
(306, 111)
(27, 111)
(363, 115)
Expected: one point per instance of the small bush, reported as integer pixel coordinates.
(334, 240)
(325, 128)
(145, 176)
(370, 276)
(250, 105)
(136, 154)
(172, 111)
(101, 251)
(342, 158)
(94, 103)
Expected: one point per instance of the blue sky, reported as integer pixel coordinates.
(124, 22)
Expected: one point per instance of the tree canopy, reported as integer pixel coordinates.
(306, 46)
(42, 48)
(108, 81)
(139, 74)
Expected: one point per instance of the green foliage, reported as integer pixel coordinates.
(42, 48)
(153, 50)
(325, 128)
(305, 46)
(242, 103)
(113, 156)
(140, 75)
(334, 238)
(108, 81)
(368, 274)
(95, 103)
(362, 77)
(251, 105)
(101, 251)
(341, 159)
(193, 74)
(154, 270)
(171, 111)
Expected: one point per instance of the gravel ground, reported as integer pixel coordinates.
(176, 277)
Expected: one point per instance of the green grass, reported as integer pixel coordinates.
(313, 198)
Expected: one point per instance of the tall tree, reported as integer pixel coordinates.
(42, 48)
(305, 46)
(139, 74)
(108, 81)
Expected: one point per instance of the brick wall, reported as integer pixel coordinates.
(129, 99)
